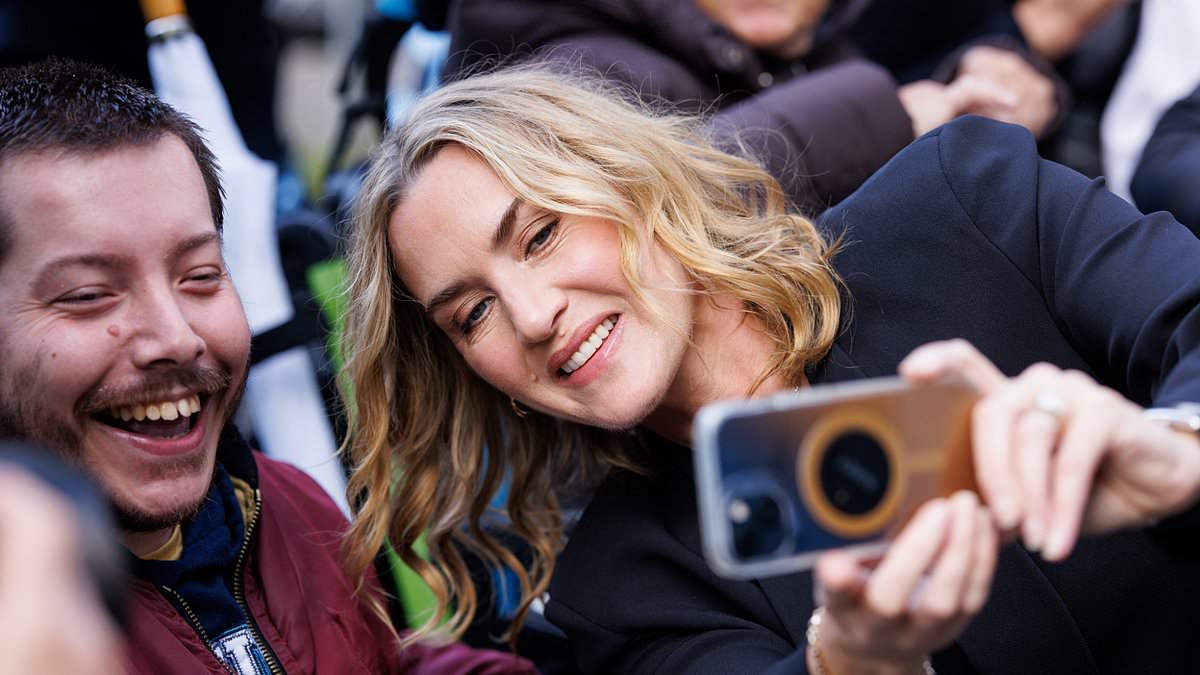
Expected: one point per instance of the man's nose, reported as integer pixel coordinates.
(534, 309)
(163, 333)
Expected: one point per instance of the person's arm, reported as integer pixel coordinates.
(1111, 275)
(1167, 174)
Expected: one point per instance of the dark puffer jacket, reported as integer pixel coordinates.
(821, 124)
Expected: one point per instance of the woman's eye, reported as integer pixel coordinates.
(541, 237)
(478, 311)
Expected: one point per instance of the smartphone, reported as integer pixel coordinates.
(781, 479)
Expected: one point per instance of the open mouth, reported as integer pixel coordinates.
(589, 347)
(161, 419)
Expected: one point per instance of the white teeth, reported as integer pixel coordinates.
(166, 410)
(589, 347)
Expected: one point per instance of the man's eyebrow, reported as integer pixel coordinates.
(100, 260)
(192, 243)
(503, 231)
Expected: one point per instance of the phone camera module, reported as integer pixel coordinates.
(855, 473)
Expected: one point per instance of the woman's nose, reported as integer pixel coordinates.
(534, 310)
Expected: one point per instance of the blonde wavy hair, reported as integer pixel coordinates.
(430, 442)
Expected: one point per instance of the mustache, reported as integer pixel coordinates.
(156, 385)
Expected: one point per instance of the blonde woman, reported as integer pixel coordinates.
(548, 281)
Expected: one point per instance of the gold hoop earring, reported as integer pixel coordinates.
(517, 409)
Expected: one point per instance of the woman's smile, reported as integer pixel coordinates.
(536, 302)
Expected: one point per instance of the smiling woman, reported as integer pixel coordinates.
(518, 247)
(529, 238)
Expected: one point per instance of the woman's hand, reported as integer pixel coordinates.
(1056, 454)
(933, 579)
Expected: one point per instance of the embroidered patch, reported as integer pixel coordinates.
(239, 651)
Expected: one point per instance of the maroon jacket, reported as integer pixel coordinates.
(299, 596)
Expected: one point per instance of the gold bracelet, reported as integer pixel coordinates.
(811, 634)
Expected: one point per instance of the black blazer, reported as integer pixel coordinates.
(967, 233)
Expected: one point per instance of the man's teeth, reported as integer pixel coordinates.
(166, 410)
(589, 347)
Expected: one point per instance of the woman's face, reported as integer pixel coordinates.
(535, 301)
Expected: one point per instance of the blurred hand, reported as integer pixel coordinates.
(933, 579)
(931, 104)
(1033, 105)
(1097, 466)
(52, 617)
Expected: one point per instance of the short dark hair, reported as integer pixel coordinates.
(67, 105)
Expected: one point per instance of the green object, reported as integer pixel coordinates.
(326, 281)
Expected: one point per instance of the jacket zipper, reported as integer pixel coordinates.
(239, 592)
(239, 596)
(189, 614)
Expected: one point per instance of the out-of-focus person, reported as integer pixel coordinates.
(1054, 28)
(1162, 68)
(125, 351)
(1168, 172)
(779, 74)
(58, 570)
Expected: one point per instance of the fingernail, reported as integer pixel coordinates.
(1056, 545)
(1034, 532)
(1006, 512)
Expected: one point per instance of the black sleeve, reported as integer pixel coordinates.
(1167, 175)
(1123, 286)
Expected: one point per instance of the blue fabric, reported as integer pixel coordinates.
(400, 10)
(204, 574)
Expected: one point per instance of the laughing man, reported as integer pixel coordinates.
(124, 347)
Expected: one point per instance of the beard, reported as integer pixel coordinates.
(24, 415)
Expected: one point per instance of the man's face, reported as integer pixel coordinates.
(123, 343)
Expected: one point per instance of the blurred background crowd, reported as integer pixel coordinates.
(824, 97)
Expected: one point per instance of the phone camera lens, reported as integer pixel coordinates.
(855, 473)
(759, 525)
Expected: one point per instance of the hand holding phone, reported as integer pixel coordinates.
(783, 478)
